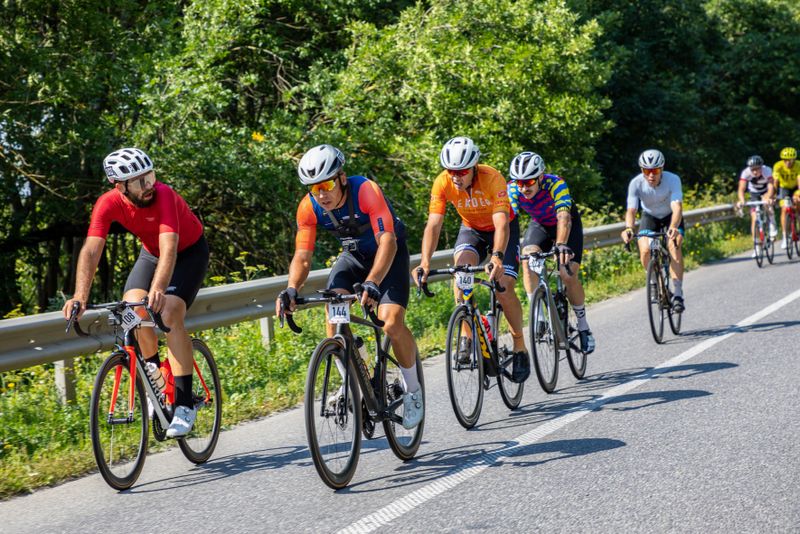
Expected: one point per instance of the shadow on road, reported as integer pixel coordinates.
(437, 464)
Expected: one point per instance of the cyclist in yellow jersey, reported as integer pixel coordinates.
(786, 174)
(479, 195)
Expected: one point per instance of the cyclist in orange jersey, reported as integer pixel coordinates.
(479, 195)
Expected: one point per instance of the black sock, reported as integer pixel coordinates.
(183, 391)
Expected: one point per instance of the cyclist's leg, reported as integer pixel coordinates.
(754, 197)
(347, 271)
(676, 262)
(537, 238)
(470, 249)
(647, 224)
(508, 299)
(784, 198)
(572, 282)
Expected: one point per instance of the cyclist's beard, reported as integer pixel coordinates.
(139, 202)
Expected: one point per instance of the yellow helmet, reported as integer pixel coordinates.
(788, 153)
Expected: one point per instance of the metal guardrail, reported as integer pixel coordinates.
(38, 339)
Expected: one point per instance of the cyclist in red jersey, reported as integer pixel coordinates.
(169, 270)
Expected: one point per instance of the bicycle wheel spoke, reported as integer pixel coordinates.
(543, 341)
(464, 368)
(404, 442)
(510, 392)
(199, 444)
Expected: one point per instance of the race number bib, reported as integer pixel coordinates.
(130, 319)
(338, 312)
(536, 265)
(465, 281)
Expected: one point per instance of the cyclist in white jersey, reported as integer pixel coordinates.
(659, 194)
(756, 178)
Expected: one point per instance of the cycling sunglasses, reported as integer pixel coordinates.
(140, 182)
(459, 173)
(327, 185)
(528, 183)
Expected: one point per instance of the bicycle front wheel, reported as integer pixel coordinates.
(333, 427)
(758, 250)
(769, 249)
(655, 299)
(199, 444)
(543, 340)
(790, 239)
(510, 392)
(118, 428)
(575, 356)
(404, 442)
(464, 367)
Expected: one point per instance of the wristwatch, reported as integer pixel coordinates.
(498, 254)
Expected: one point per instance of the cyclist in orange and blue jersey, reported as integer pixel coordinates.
(374, 254)
(479, 195)
(555, 222)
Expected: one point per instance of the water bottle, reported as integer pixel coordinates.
(156, 378)
(362, 352)
(488, 327)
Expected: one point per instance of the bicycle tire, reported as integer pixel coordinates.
(199, 444)
(575, 356)
(543, 341)
(796, 236)
(336, 464)
(655, 300)
(758, 248)
(460, 377)
(790, 238)
(403, 442)
(125, 459)
(769, 249)
(510, 392)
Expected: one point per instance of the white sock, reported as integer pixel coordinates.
(580, 313)
(410, 380)
(678, 287)
(530, 297)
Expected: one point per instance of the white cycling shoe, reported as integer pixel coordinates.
(182, 422)
(413, 409)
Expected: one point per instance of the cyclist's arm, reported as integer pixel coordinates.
(564, 226)
(167, 256)
(501, 231)
(677, 214)
(430, 238)
(299, 268)
(88, 260)
(742, 186)
(630, 217)
(387, 247)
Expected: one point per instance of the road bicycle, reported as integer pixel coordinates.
(119, 405)
(659, 295)
(792, 225)
(763, 242)
(470, 363)
(552, 324)
(338, 379)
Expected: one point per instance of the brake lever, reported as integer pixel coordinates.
(369, 313)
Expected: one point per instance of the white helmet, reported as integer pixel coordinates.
(459, 153)
(126, 163)
(651, 159)
(320, 163)
(526, 166)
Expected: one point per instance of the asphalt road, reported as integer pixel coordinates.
(696, 435)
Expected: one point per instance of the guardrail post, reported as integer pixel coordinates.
(65, 380)
(267, 330)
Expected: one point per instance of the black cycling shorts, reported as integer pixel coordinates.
(648, 223)
(544, 237)
(481, 243)
(350, 269)
(187, 277)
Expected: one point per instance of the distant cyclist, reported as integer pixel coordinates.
(660, 196)
(787, 175)
(488, 226)
(555, 223)
(756, 178)
(169, 270)
(374, 254)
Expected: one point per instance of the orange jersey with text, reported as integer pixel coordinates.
(487, 196)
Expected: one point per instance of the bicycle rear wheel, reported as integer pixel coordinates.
(575, 356)
(655, 300)
(758, 247)
(465, 374)
(333, 429)
(790, 238)
(543, 340)
(404, 442)
(118, 430)
(769, 249)
(510, 392)
(199, 444)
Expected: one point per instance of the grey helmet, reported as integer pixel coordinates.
(755, 161)
(526, 166)
(126, 163)
(459, 153)
(651, 159)
(319, 164)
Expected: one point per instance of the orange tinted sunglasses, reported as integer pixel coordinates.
(327, 185)
(462, 172)
(527, 183)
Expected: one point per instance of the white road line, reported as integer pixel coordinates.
(461, 474)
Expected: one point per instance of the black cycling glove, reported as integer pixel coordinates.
(372, 289)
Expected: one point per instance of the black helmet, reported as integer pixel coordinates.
(755, 161)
